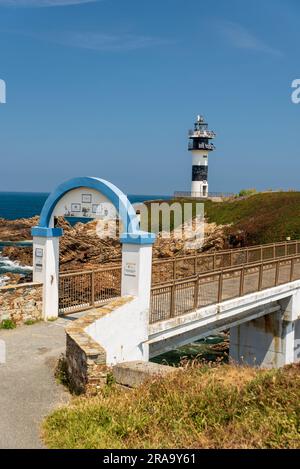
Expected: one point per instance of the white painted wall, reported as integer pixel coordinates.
(75, 198)
(137, 271)
(46, 271)
(199, 158)
(123, 333)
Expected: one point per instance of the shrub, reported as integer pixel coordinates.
(7, 324)
(247, 192)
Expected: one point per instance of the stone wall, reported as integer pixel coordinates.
(21, 303)
(86, 365)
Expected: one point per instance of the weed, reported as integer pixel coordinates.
(7, 324)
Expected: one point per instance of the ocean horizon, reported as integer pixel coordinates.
(15, 205)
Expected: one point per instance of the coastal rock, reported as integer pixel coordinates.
(88, 245)
(17, 230)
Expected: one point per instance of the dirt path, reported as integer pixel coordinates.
(28, 390)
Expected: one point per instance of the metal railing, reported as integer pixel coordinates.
(190, 194)
(177, 268)
(79, 291)
(182, 297)
(82, 290)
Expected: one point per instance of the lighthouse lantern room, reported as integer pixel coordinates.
(200, 145)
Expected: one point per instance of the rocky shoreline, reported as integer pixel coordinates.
(82, 248)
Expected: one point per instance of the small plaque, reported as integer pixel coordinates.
(96, 208)
(130, 269)
(76, 208)
(38, 267)
(39, 252)
(86, 198)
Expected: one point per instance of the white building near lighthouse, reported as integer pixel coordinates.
(200, 145)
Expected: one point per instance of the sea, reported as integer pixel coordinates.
(15, 205)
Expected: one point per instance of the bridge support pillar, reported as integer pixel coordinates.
(267, 342)
(46, 267)
(136, 281)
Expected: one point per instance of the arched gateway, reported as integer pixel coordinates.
(83, 197)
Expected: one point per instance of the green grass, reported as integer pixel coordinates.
(198, 407)
(7, 324)
(263, 217)
(31, 322)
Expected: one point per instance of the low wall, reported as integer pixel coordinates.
(86, 359)
(21, 303)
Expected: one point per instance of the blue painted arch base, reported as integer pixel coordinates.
(141, 238)
(47, 232)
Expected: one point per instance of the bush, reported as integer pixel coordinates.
(247, 192)
(7, 324)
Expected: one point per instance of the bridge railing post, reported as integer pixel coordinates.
(247, 256)
(172, 305)
(196, 292)
(292, 269)
(260, 277)
(174, 269)
(92, 288)
(220, 287)
(277, 273)
(242, 277)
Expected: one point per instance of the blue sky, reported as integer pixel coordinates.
(109, 88)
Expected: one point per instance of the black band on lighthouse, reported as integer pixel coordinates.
(200, 173)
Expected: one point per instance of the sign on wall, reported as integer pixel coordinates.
(130, 269)
(39, 254)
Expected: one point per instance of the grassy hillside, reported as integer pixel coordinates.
(198, 407)
(264, 217)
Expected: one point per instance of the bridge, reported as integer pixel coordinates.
(251, 291)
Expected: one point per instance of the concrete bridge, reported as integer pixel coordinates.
(258, 301)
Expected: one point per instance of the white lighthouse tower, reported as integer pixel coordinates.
(200, 145)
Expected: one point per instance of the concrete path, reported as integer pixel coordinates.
(28, 390)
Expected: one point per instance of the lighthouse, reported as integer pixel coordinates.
(200, 145)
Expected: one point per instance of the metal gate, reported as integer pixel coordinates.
(83, 290)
